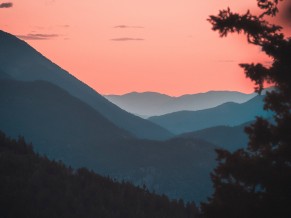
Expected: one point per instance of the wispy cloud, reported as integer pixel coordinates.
(6, 5)
(37, 36)
(127, 39)
(126, 26)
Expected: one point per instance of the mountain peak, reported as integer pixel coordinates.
(21, 62)
(148, 104)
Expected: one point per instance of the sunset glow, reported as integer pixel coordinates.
(117, 47)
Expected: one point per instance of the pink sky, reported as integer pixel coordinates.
(117, 47)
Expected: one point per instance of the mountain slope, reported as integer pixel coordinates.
(33, 186)
(4, 75)
(227, 137)
(152, 104)
(46, 114)
(226, 114)
(143, 104)
(21, 62)
(65, 128)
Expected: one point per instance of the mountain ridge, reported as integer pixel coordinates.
(65, 128)
(229, 113)
(227, 137)
(36, 108)
(22, 62)
(147, 104)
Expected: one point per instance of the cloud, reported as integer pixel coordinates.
(127, 39)
(37, 36)
(125, 27)
(6, 5)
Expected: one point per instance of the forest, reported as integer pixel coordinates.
(31, 186)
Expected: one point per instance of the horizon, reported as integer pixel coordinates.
(177, 96)
(118, 48)
(140, 108)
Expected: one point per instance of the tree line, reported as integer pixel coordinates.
(31, 186)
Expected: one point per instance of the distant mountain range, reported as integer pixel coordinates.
(60, 116)
(148, 104)
(67, 120)
(20, 61)
(230, 114)
(65, 128)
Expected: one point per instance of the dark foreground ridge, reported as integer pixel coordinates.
(34, 186)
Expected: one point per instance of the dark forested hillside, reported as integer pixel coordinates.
(32, 186)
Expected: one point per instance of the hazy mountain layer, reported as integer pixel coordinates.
(230, 113)
(63, 127)
(20, 61)
(227, 137)
(151, 104)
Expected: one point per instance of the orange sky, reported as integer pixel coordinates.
(117, 46)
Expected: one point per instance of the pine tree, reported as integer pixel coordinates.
(256, 181)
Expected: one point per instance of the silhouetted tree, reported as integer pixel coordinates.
(256, 181)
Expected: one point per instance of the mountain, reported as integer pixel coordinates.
(39, 187)
(227, 137)
(4, 75)
(179, 168)
(65, 128)
(142, 104)
(21, 62)
(148, 104)
(50, 116)
(230, 113)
